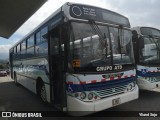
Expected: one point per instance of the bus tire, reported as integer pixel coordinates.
(15, 79)
(42, 93)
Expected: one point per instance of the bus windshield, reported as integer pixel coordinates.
(149, 45)
(92, 52)
(150, 50)
(150, 31)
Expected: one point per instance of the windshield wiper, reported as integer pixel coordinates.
(102, 38)
(96, 29)
(156, 43)
(119, 40)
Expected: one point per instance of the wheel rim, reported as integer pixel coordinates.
(43, 93)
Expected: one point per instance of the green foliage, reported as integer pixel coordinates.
(4, 64)
(1, 67)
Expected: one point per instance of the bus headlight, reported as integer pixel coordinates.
(86, 96)
(130, 87)
(134, 84)
(83, 95)
(90, 96)
(76, 95)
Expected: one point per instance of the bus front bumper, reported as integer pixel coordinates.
(76, 107)
(146, 85)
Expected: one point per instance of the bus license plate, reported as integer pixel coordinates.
(116, 102)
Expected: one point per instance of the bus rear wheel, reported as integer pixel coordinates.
(42, 93)
(15, 79)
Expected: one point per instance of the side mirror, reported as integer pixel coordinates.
(141, 42)
(134, 32)
(134, 36)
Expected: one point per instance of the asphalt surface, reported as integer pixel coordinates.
(17, 98)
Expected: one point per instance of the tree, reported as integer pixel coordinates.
(1, 67)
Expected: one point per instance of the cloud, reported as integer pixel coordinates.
(4, 51)
(4, 48)
(139, 12)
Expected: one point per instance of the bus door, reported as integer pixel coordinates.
(57, 71)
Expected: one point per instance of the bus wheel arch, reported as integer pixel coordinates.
(40, 89)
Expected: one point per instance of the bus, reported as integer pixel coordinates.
(79, 59)
(146, 41)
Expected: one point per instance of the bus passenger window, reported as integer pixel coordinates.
(30, 41)
(38, 38)
(23, 45)
(41, 49)
(44, 34)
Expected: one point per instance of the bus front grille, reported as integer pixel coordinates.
(111, 91)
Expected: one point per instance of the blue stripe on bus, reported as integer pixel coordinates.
(98, 86)
(148, 74)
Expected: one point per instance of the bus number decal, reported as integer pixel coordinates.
(109, 68)
(118, 67)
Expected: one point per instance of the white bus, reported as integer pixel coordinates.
(146, 42)
(79, 59)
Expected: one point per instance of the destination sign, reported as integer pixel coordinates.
(97, 14)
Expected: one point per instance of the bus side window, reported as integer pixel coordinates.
(38, 38)
(44, 32)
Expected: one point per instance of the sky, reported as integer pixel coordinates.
(139, 12)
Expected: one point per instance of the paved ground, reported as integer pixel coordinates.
(17, 98)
